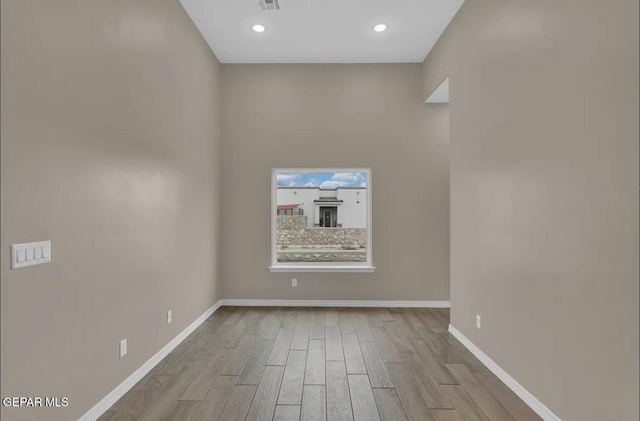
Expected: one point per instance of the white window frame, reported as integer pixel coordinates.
(343, 267)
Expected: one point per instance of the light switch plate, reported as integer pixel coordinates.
(30, 254)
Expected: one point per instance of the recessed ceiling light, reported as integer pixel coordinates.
(258, 28)
(380, 27)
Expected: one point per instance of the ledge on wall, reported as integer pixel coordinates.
(440, 95)
(335, 269)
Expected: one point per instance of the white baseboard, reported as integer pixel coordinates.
(333, 303)
(108, 401)
(511, 383)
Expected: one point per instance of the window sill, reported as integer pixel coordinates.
(334, 269)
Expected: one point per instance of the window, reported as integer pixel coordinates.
(321, 220)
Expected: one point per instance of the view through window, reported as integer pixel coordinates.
(321, 217)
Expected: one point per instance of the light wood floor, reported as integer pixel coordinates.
(282, 364)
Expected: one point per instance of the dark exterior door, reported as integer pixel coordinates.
(326, 217)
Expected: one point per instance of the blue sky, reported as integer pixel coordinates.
(324, 180)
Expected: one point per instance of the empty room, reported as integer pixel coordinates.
(329, 210)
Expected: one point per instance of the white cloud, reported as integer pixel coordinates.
(338, 179)
(286, 179)
(345, 179)
(332, 184)
(349, 177)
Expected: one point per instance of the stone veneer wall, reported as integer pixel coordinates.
(293, 231)
(291, 223)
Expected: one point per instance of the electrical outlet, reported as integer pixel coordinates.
(294, 282)
(123, 347)
(169, 316)
(478, 321)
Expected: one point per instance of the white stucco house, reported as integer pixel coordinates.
(344, 207)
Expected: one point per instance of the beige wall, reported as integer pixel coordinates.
(544, 195)
(110, 150)
(336, 116)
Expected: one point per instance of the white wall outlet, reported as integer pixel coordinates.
(478, 321)
(123, 347)
(169, 316)
(294, 282)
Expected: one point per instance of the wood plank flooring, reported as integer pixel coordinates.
(330, 364)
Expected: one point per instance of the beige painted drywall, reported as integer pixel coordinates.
(323, 116)
(544, 195)
(110, 134)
